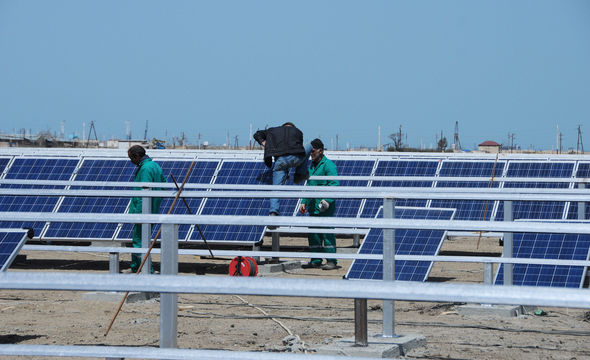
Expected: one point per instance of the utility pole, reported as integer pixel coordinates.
(560, 142)
(580, 144)
(145, 132)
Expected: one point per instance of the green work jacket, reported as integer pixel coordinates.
(147, 171)
(325, 167)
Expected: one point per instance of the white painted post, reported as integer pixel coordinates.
(508, 246)
(146, 233)
(581, 205)
(168, 301)
(388, 268)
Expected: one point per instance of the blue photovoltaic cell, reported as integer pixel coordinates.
(35, 169)
(469, 209)
(400, 168)
(3, 163)
(238, 172)
(407, 242)
(351, 207)
(94, 170)
(10, 244)
(582, 172)
(537, 209)
(548, 246)
(201, 173)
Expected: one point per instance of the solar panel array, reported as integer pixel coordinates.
(11, 241)
(548, 246)
(407, 242)
(228, 168)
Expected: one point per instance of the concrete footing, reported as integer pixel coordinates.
(269, 268)
(494, 310)
(380, 347)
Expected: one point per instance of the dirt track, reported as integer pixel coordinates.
(261, 323)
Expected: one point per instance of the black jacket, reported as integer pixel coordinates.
(280, 140)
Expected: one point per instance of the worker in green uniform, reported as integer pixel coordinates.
(321, 166)
(147, 171)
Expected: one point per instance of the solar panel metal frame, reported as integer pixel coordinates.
(6, 260)
(521, 268)
(401, 263)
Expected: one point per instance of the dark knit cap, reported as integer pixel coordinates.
(317, 144)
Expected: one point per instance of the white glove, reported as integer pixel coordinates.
(323, 206)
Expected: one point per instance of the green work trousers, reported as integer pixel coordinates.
(136, 258)
(325, 243)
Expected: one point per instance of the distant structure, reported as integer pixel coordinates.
(456, 142)
(489, 146)
(580, 145)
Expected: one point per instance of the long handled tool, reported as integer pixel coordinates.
(485, 211)
(190, 212)
(151, 247)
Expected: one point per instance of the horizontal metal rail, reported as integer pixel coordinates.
(311, 221)
(297, 255)
(134, 352)
(341, 192)
(319, 288)
(133, 184)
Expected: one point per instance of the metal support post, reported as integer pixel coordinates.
(488, 273)
(276, 246)
(169, 301)
(146, 233)
(356, 240)
(360, 322)
(581, 205)
(508, 246)
(388, 268)
(114, 263)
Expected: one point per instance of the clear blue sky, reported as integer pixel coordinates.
(337, 69)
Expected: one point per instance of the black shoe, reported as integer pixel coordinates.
(272, 227)
(312, 265)
(300, 178)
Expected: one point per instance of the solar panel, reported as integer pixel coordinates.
(537, 209)
(202, 173)
(35, 169)
(3, 163)
(93, 170)
(548, 246)
(407, 242)
(11, 241)
(582, 172)
(469, 209)
(238, 172)
(400, 168)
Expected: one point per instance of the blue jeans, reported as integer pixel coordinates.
(280, 172)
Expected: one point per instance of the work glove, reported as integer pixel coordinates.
(323, 206)
(303, 209)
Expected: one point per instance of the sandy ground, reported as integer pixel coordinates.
(261, 323)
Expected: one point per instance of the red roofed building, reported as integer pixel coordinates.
(489, 147)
